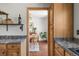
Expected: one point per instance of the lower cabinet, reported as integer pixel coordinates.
(67, 53)
(13, 53)
(59, 51)
(2, 52)
(10, 49)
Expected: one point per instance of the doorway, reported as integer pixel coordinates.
(38, 33)
(38, 42)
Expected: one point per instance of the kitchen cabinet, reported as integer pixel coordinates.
(62, 25)
(67, 53)
(13, 52)
(3, 50)
(13, 49)
(59, 51)
(63, 20)
(13, 46)
(10, 49)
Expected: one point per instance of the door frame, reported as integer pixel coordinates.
(27, 41)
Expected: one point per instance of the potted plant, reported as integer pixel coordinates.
(43, 35)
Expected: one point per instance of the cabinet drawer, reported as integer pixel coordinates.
(2, 52)
(13, 53)
(59, 49)
(13, 46)
(67, 53)
(2, 46)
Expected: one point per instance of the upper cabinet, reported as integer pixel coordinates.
(63, 20)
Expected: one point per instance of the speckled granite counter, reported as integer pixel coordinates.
(68, 43)
(12, 39)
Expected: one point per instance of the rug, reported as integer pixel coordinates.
(34, 47)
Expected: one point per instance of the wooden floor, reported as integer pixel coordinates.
(43, 50)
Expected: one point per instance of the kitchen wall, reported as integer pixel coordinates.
(76, 19)
(14, 10)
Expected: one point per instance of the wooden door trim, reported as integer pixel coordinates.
(34, 8)
(27, 32)
(51, 17)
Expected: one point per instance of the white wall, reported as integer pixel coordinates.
(76, 19)
(41, 24)
(14, 10)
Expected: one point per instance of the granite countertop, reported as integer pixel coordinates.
(68, 43)
(12, 38)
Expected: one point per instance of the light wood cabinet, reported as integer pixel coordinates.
(13, 46)
(2, 52)
(63, 20)
(13, 49)
(58, 50)
(2, 46)
(13, 52)
(57, 53)
(10, 49)
(67, 53)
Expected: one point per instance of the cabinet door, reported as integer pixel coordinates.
(63, 20)
(58, 19)
(2, 46)
(2, 52)
(68, 20)
(2, 49)
(59, 50)
(57, 53)
(13, 49)
(13, 53)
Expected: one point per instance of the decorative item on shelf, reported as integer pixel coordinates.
(19, 19)
(19, 22)
(6, 21)
(21, 27)
(9, 21)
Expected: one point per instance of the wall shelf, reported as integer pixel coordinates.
(16, 24)
(21, 26)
